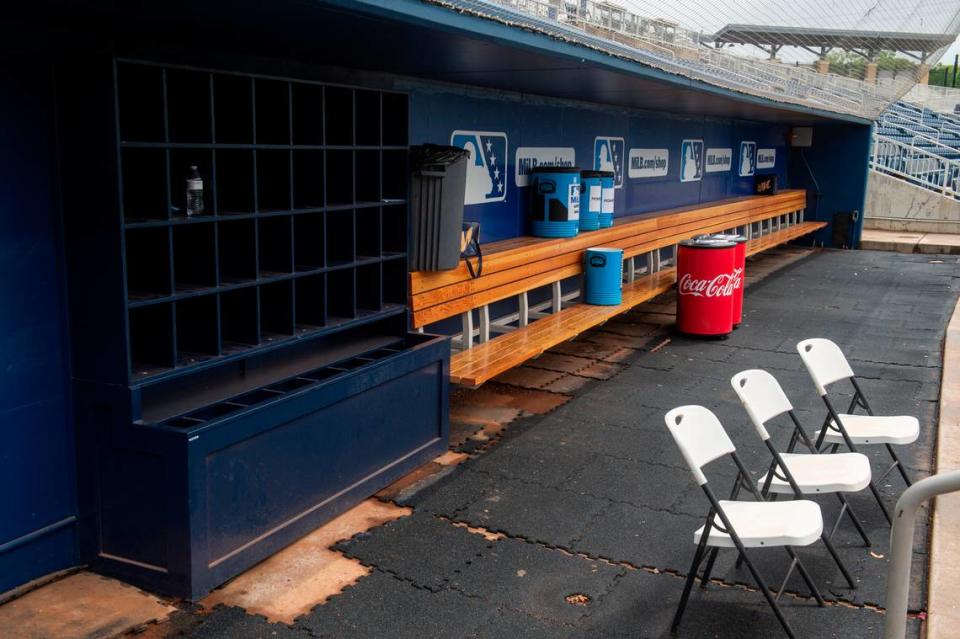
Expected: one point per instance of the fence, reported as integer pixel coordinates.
(659, 43)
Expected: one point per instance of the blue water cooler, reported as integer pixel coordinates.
(555, 201)
(603, 276)
(606, 203)
(591, 198)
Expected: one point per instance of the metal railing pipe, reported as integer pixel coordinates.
(901, 546)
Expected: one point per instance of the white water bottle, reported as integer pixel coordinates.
(194, 192)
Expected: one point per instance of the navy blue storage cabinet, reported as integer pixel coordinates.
(245, 374)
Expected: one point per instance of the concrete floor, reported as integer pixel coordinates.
(565, 509)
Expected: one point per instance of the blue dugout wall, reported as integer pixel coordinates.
(37, 469)
(520, 128)
(38, 515)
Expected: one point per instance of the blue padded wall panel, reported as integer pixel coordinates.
(37, 468)
(514, 121)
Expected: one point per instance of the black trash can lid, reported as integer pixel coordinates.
(436, 154)
(556, 169)
(589, 173)
(707, 242)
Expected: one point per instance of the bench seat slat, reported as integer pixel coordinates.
(481, 363)
(452, 300)
(515, 252)
(475, 366)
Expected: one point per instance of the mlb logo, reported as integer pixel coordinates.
(486, 167)
(691, 160)
(748, 158)
(608, 156)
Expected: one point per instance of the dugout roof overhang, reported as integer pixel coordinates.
(423, 40)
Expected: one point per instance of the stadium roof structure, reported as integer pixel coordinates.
(822, 41)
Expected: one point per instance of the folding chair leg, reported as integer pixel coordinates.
(688, 584)
(838, 561)
(879, 498)
(903, 471)
(766, 591)
(853, 517)
(803, 573)
(709, 569)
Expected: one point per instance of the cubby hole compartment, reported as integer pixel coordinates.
(148, 263)
(321, 374)
(273, 111)
(252, 379)
(276, 311)
(368, 176)
(197, 330)
(368, 234)
(339, 165)
(311, 301)
(394, 225)
(367, 108)
(368, 289)
(394, 283)
(144, 173)
(395, 119)
(307, 114)
(338, 115)
(233, 109)
(239, 322)
(307, 179)
(234, 182)
(211, 413)
(290, 385)
(256, 397)
(340, 296)
(180, 162)
(394, 175)
(151, 340)
(275, 245)
(140, 96)
(273, 180)
(308, 244)
(340, 240)
(194, 257)
(188, 106)
(353, 364)
(237, 249)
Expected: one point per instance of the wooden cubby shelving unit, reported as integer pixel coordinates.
(304, 231)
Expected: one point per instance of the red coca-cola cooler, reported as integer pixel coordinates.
(739, 273)
(705, 286)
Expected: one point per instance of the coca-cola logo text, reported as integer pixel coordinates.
(722, 285)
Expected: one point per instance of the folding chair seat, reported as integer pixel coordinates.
(826, 364)
(873, 429)
(702, 439)
(764, 523)
(819, 474)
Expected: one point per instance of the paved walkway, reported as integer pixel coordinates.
(576, 518)
(910, 242)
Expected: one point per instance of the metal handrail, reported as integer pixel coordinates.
(901, 546)
(915, 165)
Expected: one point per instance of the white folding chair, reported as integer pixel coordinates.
(826, 364)
(797, 473)
(743, 524)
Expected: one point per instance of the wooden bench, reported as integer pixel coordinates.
(519, 266)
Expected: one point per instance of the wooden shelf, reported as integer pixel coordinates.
(295, 239)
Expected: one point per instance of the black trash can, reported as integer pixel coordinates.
(439, 176)
(843, 225)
